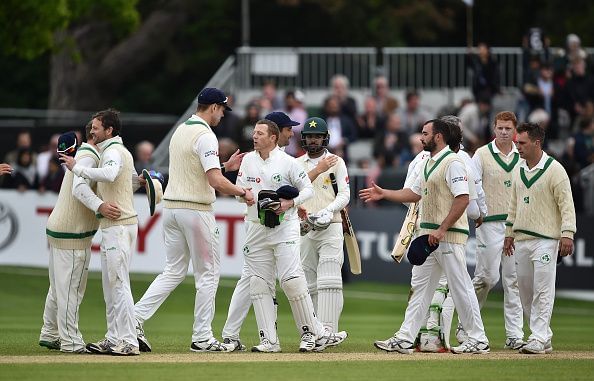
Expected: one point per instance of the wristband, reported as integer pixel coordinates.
(223, 168)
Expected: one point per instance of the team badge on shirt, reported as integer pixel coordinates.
(276, 178)
(545, 258)
(527, 200)
(507, 183)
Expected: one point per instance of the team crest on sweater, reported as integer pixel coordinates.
(545, 258)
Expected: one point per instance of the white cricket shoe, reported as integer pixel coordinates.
(514, 343)
(143, 343)
(461, 334)
(535, 347)
(125, 349)
(395, 344)
(237, 345)
(308, 342)
(329, 339)
(266, 346)
(103, 347)
(211, 345)
(472, 347)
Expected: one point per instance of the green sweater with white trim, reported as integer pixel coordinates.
(541, 205)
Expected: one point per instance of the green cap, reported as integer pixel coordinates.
(315, 125)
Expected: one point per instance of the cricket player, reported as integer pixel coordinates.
(540, 225)
(443, 188)
(494, 164)
(240, 300)
(70, 229)
(322, 248)
(118, 237)
(189, 228)
(272, 241)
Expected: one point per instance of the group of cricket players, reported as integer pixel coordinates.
(518, 197)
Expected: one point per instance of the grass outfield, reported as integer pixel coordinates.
(372, 311)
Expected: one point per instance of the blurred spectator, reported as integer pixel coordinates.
(535, 45)
(226, 148)
(391, 144)
(44, 157)
(485, 72)
(53, 180)
(542, 92)
(579, 89)
(5, 169)
(415, 144)
(341, 128)
(252, 115)
(229, 126)
(386, 104)
(340, 90)
(270, 100)
(412, 116)
(294, 109)
(143, 155)
(24, 174)
(23, 141)
(475, 117)
(371, 122)
(583, 144)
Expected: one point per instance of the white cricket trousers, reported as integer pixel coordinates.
(489, 256)
(450, 259)
(117, 245)
(536, 263)
(188, 235)
(68, 271)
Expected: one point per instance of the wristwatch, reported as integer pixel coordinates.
(223, 168)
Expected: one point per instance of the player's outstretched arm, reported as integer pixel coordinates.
(376, 193)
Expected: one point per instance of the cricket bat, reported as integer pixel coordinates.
(406, 233)
(352, 246)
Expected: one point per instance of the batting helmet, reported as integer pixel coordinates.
(316, 126)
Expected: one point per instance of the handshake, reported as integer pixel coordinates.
(316, 221)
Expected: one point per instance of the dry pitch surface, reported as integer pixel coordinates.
(282, 357)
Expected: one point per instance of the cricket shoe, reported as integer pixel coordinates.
(329, 339)
(103, 347)
(461, 334)
(535, 347)
(50, 344)
(143, 343)
(395, 344)
(266, 346)
(472, 347)
(125, 349)
(308, 342)
(237, 345)
(514, 343)
(211, 345)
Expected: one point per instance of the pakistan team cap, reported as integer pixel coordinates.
(314, 125)
(281, 119)
(211, 95)
(419, 250)
(67, 144)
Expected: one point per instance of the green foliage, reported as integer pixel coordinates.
(28, 27)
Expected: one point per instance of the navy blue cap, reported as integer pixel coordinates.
(287, 192)
(211, 95)
(67, 144)
(419, 250)
(281, 119)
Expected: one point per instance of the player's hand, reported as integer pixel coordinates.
(284, 206)
(302, 212)
(5, 169)
(326, 163)
(565, 246)
(249, 196)
(478, 222)
(436, 236)
(508, 246)
(68, 161)
(110, 210)
(141, 180)
(375, 193)
(234, 161)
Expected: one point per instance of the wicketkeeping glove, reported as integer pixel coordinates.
(305, 227)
